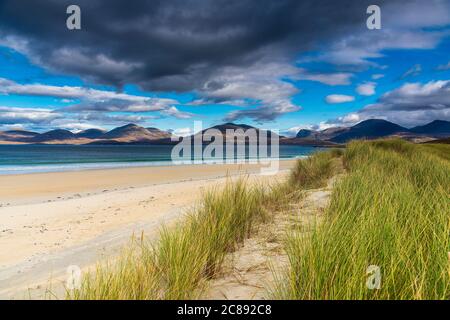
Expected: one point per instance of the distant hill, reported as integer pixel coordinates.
(235, 127)
(369, 129)
(377, 128)
(129, 133)
(90, 133)
(222, 128)
(326, 134)
(132, 133)
(437, 128)
(21, 133)
(57, 134)
(230, 126)
(330, 133)
(17, 135)
(314, 138)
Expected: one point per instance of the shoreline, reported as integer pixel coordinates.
(8, 170)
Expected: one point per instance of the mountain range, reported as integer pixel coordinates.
(377, 128)
(129, 133)
(134, 134)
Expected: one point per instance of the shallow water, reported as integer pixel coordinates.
(19, 159)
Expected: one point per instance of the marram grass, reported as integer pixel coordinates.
(391, 210)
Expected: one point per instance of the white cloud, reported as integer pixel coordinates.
(93, 100)
(415, 70)
(172, 111)
(14, 115)
(358, 49)
(261, 84)
(332, 79)
(16, 43)
(14, 126)
(350, 119)
(80, 126)
(203, 102)
(377, 76)
(294, 130)
(338, 98)
(183, 132)
(75, 92)
(434, 94)
(366, 89)
(443, 67)
(316, 127)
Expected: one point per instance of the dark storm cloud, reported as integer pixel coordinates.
(172, 45)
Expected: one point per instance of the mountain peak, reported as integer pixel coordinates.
(133, 132)
(369, 129)
(22, 133)
(130, 125)
(90, 133)
(54, 135)
(436, 127)
(304, 133)
(439, 122)
(376, 122)
(231, 125)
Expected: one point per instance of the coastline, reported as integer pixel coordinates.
(6, 170)
(53, 220)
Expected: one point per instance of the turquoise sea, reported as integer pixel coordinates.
(19, 159)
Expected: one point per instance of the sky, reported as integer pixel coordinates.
(284, 65)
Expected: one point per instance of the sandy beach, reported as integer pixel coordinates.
(49, 221)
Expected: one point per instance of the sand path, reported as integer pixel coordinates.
(250, 272)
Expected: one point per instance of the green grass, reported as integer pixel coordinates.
(178, 265)
(392, 210)
(314, 171)
(441, 150)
